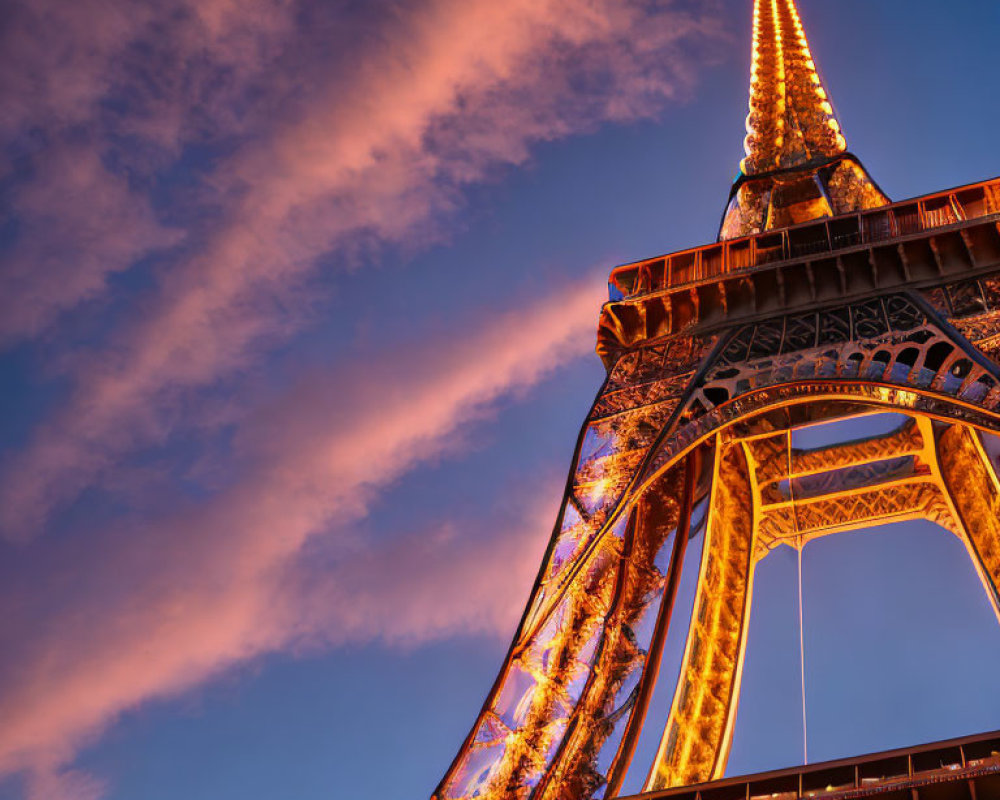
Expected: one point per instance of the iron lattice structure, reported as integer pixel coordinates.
(820, 301)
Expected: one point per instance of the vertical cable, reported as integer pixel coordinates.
(802, 666)
(799, 545)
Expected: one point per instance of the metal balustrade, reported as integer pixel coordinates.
(898, 220)
(958, 769)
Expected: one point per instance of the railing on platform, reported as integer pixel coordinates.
(914, 774)
(906, 218)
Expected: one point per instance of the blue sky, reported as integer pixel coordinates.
(297, 327)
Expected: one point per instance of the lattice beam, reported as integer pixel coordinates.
(975, 490)
(743, 527)
(694, 747)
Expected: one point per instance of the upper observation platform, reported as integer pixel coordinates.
(916, 243)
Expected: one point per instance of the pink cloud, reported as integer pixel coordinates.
(440, 583)
(53, 784)
(55, 58)
(451, 90)
(82, 167)
(103, 227)
(373, 146)
(59, 61)
(147, 611)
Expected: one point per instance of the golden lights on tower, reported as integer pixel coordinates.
(797, 166)
(821, 301)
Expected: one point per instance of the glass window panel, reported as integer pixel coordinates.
(624, 694)
(586, 654)
(619, 528)
(474, 772)
(556, 731)
(951, 383)
(539, 654)
(609, 749)
(491, 730)
(575, 687)
(594, 495)
(536, 607)
(598, 442)
(514, 701)
(645, 624)
(661, 561)
(574, 534)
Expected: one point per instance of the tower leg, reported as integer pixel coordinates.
(652, 668)
(696, 739)
(974, 488)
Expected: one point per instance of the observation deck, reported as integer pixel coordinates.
(918, 243)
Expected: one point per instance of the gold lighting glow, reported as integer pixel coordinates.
(821, 302)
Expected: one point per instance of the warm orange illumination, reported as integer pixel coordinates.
(820, 302)
(791, 129)
(755, 508)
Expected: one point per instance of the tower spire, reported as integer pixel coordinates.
(797, 166)
(791, 122)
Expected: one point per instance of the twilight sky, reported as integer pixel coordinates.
(297, 317)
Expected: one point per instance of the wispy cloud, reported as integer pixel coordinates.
(73, 194)
(50, 783)
(443, 94)
(100, 100)
(144, 611)
(232, 156)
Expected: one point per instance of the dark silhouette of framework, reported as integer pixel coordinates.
(820, 301)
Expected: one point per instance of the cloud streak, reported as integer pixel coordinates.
(449, 91)
(145, 611)
(100, 99)
(186, 178)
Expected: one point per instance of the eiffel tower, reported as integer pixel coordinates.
(821, 300)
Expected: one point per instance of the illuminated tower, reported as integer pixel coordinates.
(820, 301)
